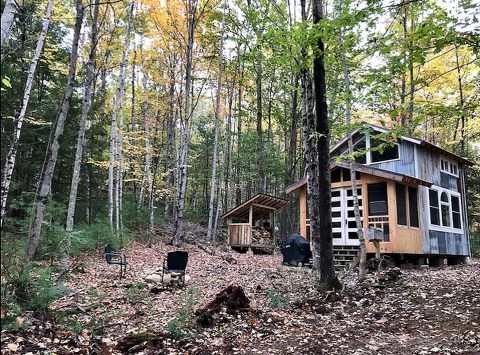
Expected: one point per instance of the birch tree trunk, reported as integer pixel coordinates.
(54, 145)
(185, 134)
(348, 119)
(170, 138)
(116, 137)
(86, 104)
(148, 153)
(327, 275)
(217, 120)
(12, 153)
(8, 20)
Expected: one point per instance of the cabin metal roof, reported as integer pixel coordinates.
(261, 205)
(365, 169)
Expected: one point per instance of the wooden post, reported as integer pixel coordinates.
(377, 249)
(272, 225)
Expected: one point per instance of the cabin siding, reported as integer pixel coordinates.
(404, 165)
(428, 245)
(446, 243)
(448, 181)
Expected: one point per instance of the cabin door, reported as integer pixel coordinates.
(344, 226)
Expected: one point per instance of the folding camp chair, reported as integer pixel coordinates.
(116, 258)
(175, 263)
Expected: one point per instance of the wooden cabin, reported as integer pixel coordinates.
(251, 225)
(411, 193)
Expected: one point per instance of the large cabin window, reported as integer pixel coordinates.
(382, 151)
(445, 209)
(377, 199)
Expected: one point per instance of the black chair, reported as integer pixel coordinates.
(115, 258)
(176, 263)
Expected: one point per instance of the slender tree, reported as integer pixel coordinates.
(217, 120)
(86, 104)
(12, 154)
(48, 170)
(353, 175)
(8, 20)
(323, 242)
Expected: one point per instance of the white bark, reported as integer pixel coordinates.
(217, 120)
(8, 20)
(86, 104)
(148, 153)
(116, 136)
(185, 134)
(54, 144)
(12, 154)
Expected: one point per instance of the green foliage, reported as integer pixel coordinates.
(137, 292)
(35, 289)
(93, 236)
(177, 327)
(276, 300)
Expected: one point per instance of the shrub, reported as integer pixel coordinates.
(184, 315)
(276, 300)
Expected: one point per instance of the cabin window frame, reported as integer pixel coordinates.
(368, 146)
(441, 206)
(369, 151)
(410, 211)
(449, 167)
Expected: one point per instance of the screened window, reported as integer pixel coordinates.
(377, 199)
(413, 206)
(407, 205)
(401, 204)
(336, 175)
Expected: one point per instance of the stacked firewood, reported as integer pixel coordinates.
(261, 236)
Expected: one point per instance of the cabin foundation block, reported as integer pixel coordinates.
(249, 251)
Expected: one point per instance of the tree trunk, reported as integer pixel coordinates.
(327, 276)
(86, 104)
(116, 139)
(217, 120)
(170, 139)
(12, 153)
(148, 149)
(462, 102)
(348, 119)
(8, 20)
(54, 145)
(185, 135)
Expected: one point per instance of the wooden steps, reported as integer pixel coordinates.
(345, 256)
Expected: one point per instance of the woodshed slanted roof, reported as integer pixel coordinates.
(365, 169)
(261, 204)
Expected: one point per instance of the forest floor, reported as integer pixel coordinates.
(423, 311)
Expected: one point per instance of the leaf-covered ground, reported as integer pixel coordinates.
(424, 311)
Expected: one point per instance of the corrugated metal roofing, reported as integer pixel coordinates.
(261, 204)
